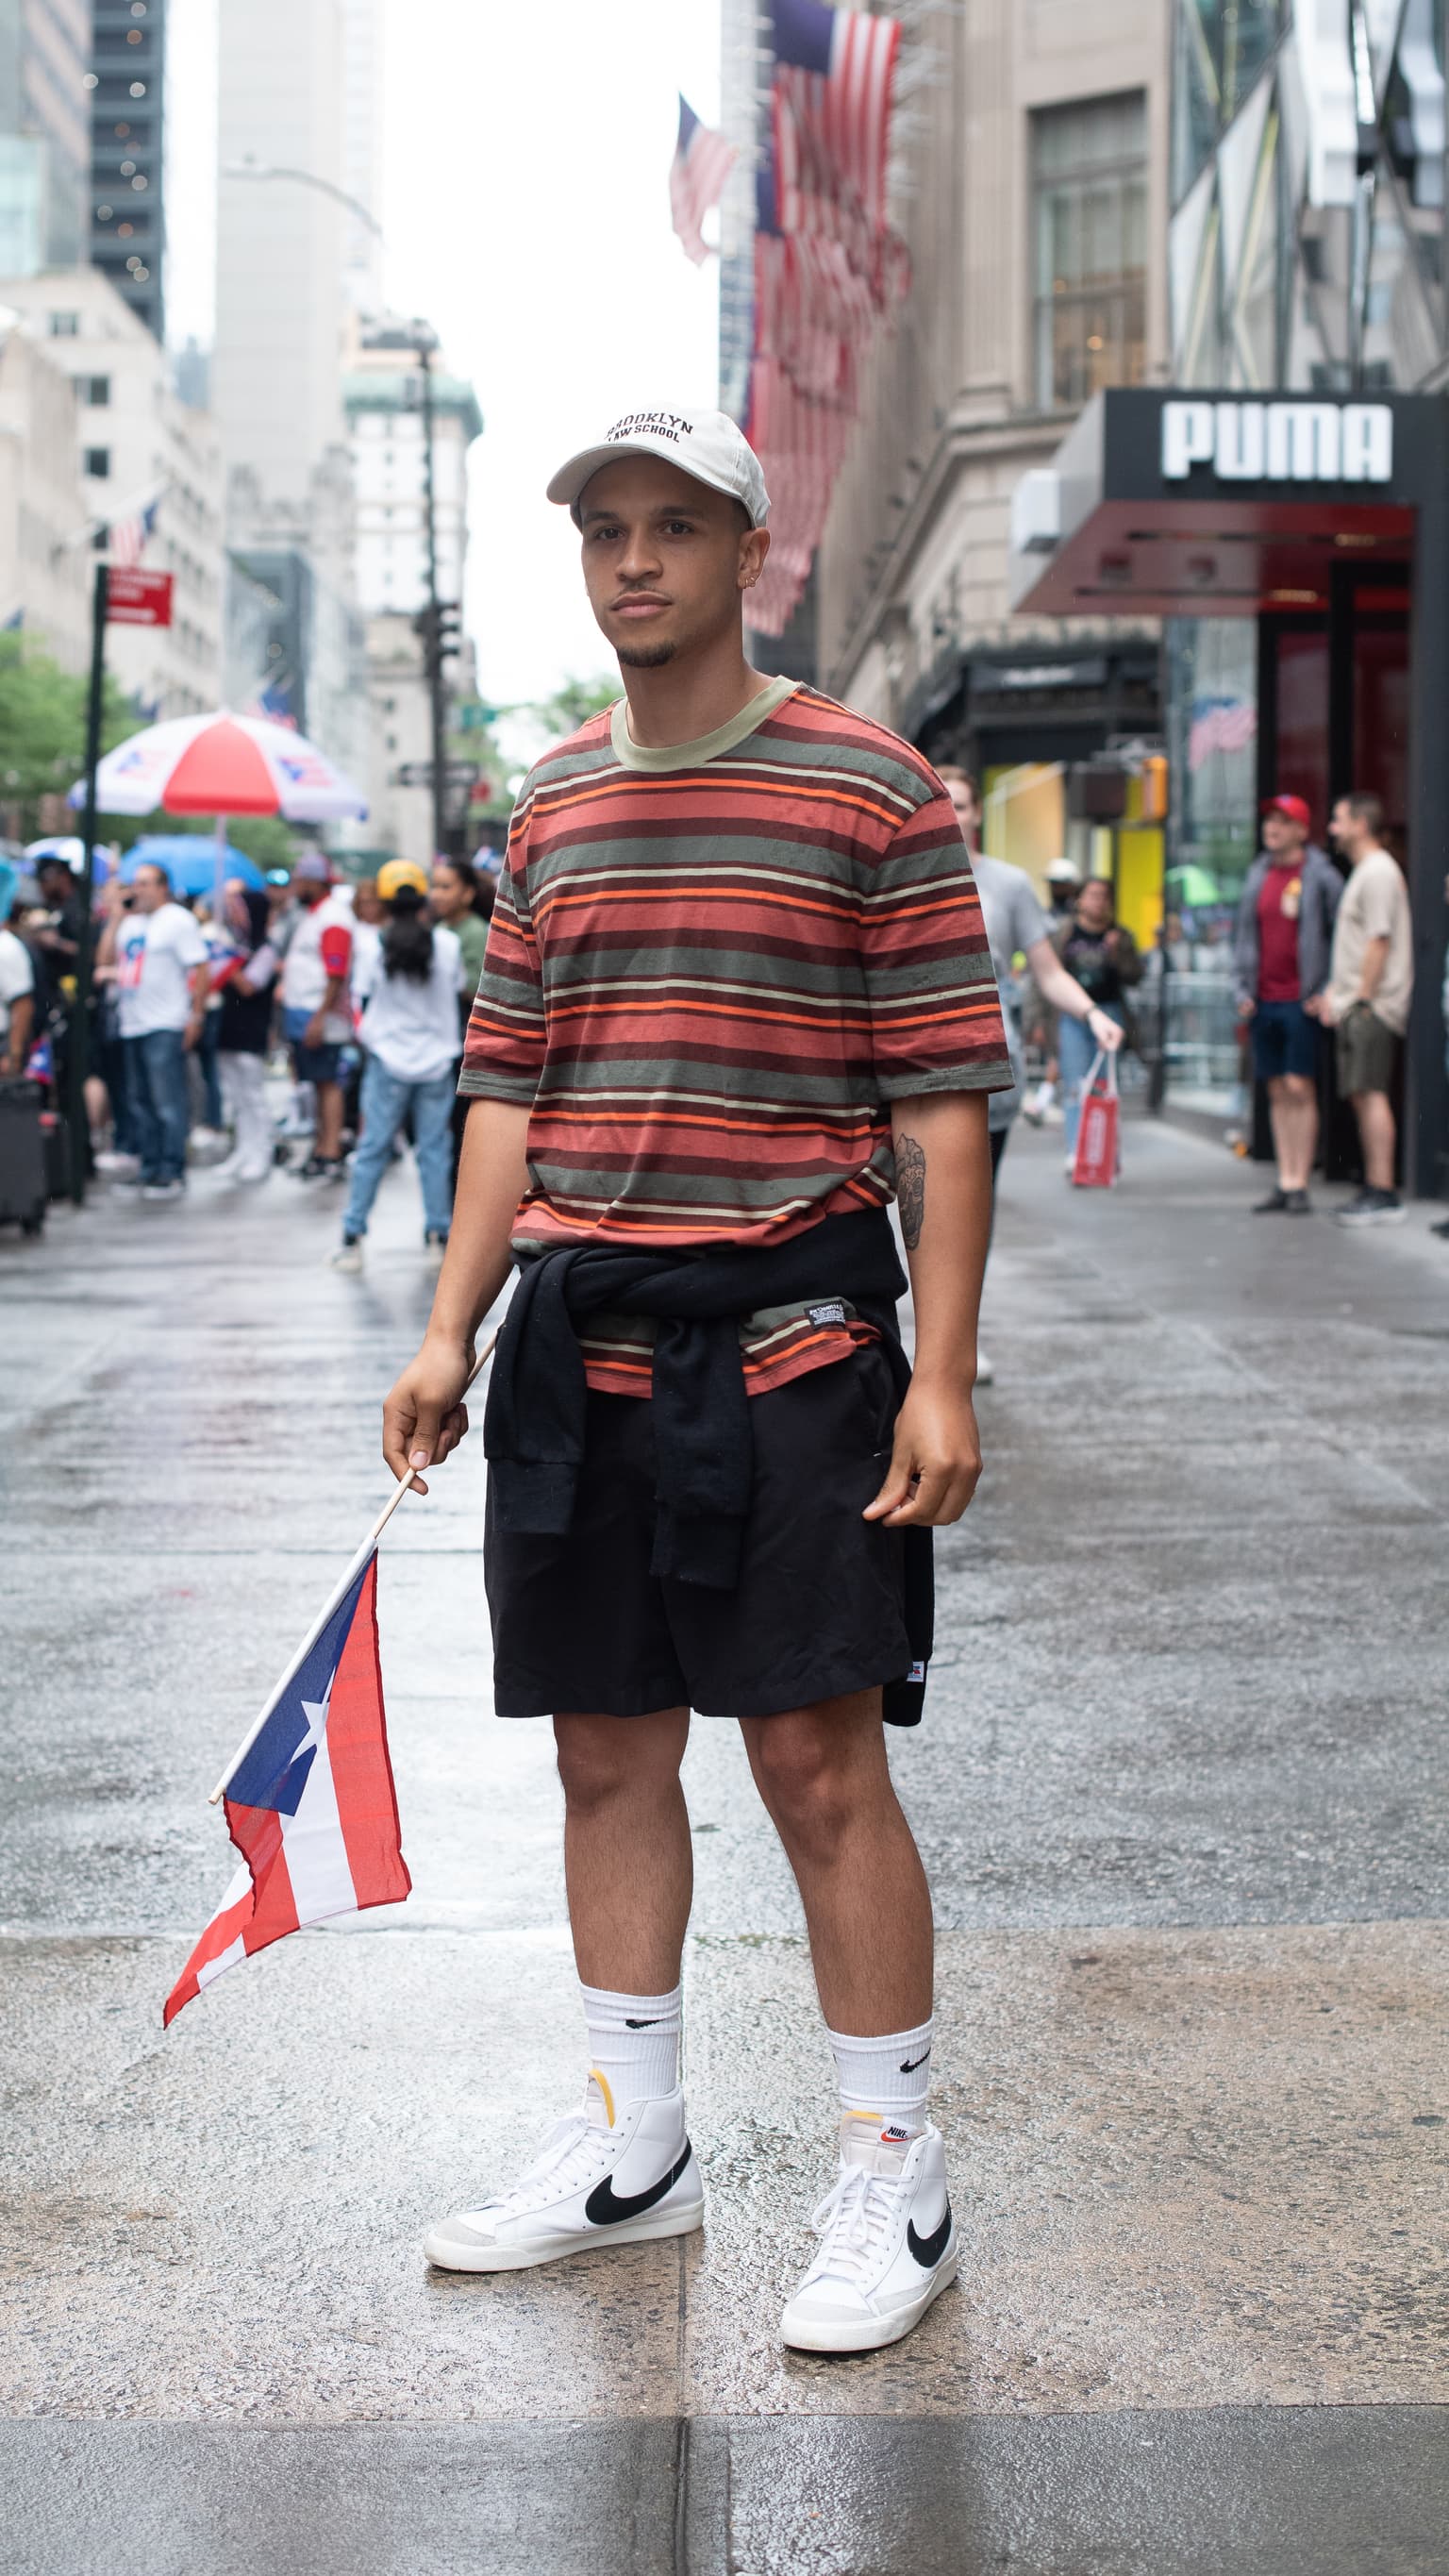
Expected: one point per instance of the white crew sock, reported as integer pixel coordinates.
(887, 2076)
(633, 2043)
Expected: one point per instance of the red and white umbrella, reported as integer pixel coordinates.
(223, 764)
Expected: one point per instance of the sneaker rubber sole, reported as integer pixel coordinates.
(864, 2334)
(452, 2255)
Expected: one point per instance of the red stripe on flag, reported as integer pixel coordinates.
(362, 1765)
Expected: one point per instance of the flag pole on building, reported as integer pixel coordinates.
(333, 1602)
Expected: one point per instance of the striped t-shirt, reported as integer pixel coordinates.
(710, 970)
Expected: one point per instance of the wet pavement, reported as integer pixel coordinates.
(1181, 1793)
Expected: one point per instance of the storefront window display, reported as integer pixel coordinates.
(1212, 717)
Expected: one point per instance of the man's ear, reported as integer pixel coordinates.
(753, 549)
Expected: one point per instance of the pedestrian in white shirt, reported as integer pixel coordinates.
(1366, 1000)
(17, 995)
(409, 1029)
(158, 953)
(316, 1006)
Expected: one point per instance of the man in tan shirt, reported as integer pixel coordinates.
(1370, 986)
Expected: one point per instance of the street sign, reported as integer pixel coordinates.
(135, 598)
(419, 773)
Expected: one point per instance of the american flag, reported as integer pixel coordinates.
(1220, 724)
(702, 162)
(126, 538)
(834, 69)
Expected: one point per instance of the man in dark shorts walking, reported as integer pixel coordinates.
(737, 996)
(1280, 956)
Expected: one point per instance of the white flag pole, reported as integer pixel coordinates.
(334, 1600)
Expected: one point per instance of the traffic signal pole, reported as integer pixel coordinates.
(433, 638)
(78, 1047)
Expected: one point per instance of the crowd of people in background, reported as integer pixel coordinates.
(359, 991)
(309, 1023)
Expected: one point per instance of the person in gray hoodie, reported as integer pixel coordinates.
(1281, 952)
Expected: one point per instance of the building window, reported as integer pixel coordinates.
(96, 390)
(1089, 186)
(65, 326)
(98, 463)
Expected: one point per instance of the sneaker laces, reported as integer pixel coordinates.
(573, 2153)
(852, 2222)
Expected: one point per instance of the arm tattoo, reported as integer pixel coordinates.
(911, 1188)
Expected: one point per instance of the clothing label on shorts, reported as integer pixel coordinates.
(833, 1312)
(917, 1673)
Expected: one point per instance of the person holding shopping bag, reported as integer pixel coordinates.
(409, 1030)
(1104, 960)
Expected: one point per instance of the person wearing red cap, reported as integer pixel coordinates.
(1281, 953)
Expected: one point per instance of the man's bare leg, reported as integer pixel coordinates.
(1293, 1116)
(628, 1859)
(328, 1143)
(823, 1775)
(1375, 1115)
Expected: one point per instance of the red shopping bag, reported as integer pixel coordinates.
(1095, 1164)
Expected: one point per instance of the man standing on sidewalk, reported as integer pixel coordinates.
(1280, 960)
(737, 996)
(1370, 987)
(162, 987)
(316, 1010)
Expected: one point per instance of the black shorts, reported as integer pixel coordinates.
(580, 1623)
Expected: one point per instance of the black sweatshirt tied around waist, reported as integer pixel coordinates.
(534, 1421)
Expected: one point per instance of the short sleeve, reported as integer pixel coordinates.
(191, 945)
(935, 1012)
(17, 974)
(507, 1040)
(1383, 898)
(335, 949)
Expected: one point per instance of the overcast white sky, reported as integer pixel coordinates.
(527, 215)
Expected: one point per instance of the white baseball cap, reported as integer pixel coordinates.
(706, 444)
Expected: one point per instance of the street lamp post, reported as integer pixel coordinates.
(430, 624)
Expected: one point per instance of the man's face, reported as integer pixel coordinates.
(966, 809)
(1281, 835)
(1344, 826)
(666, 560)
(309, 890)
(150, 890)
(56, 882)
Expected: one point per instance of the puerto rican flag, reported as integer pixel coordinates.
(702, 162)
(310, 1805)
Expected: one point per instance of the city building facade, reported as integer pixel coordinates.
(45, 149)
(1281, 503)
(137, 444)
(126, 224)
(45, 522)
(1032, 146)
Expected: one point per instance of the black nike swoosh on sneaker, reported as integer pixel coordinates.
(909, 2064)
(605, 2207)
(928, 2250)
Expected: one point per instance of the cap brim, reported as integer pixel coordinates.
(566, 485)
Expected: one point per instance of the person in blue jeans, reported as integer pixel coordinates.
(154, 949)
(409, 986)
(1104, 959)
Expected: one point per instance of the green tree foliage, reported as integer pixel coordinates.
(43, 729)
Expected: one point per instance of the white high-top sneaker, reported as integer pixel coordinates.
(887, 2242)
(595, 2182)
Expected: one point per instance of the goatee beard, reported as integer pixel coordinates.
(645, 657)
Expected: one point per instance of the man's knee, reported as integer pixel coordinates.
(600, 1758)
(814, 1766)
